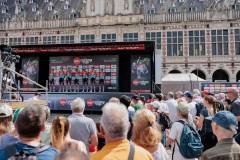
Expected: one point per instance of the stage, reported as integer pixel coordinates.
(60, 102)
(95, 72)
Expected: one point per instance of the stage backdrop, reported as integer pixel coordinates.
(140, 73)
(101, 63)
(30, 68)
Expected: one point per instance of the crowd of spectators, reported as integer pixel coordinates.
(130, 128)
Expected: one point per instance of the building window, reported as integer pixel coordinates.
(31, 40)
(175, 43)
(2, 40)
(50, 40)
(66, 5)
(219, 42)
(237, 41)
(130, 37)
(172, 10)
(154, 36)
(67, 39)
(89, 38)
(15, 41)
(109, 37)
(196, 43)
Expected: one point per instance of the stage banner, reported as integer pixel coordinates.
(91, 73)
(140, 73)
(30, 68)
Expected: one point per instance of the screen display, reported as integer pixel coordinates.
(140, 73)
(30, 69)
(97, 70)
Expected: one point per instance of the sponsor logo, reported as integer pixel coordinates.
(90, 103)
(62, 102)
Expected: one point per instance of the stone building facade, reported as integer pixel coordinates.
(199, 36)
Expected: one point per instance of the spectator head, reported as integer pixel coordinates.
(78, 105)
(143, 99)
(151, 96)
(30, 122)
(146, 132)
(60, 128)
(125, 100)
(196, 92)
(210, 101)
(156, 105)
(182, 110)
(204, 93)
(135, 99)
(221, 96)
(232, 93)
(224, 123)
(114, 100)
(37, 94)
(114, 121)
(159, 96)
(188, 96)
(6, 113)
(178, 94)
(170, 95)
(71, 151)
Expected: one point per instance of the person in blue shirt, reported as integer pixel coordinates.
(29, 124)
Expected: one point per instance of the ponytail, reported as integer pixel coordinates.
(60, 127)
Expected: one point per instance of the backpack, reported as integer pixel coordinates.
(190, 145)
(164, 121)
(24, 155)
(199, 107)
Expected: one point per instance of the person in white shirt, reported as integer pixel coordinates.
(172, 106)
(162, 106)
(191, 104)
(177, 128)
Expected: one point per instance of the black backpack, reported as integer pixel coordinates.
(24, 155)
(164, 121)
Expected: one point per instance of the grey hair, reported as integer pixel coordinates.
(115, 120)
(235, 91)
(78, 105)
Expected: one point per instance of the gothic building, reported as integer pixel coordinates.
(199, 36)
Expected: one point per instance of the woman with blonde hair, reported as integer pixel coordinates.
(60, 135)
(147, 134)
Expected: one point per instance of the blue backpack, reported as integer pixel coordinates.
(190, 142)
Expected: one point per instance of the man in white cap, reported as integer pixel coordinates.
(6, 113)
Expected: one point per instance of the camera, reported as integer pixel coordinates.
(7, 57)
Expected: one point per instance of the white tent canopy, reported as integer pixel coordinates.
(181, 77)
(180, 82)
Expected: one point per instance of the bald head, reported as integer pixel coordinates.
(115, 120)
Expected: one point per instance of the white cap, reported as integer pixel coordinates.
(5, 110)
(156, 104)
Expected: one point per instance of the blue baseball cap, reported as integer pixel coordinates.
(226, 120)
(188, 94)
